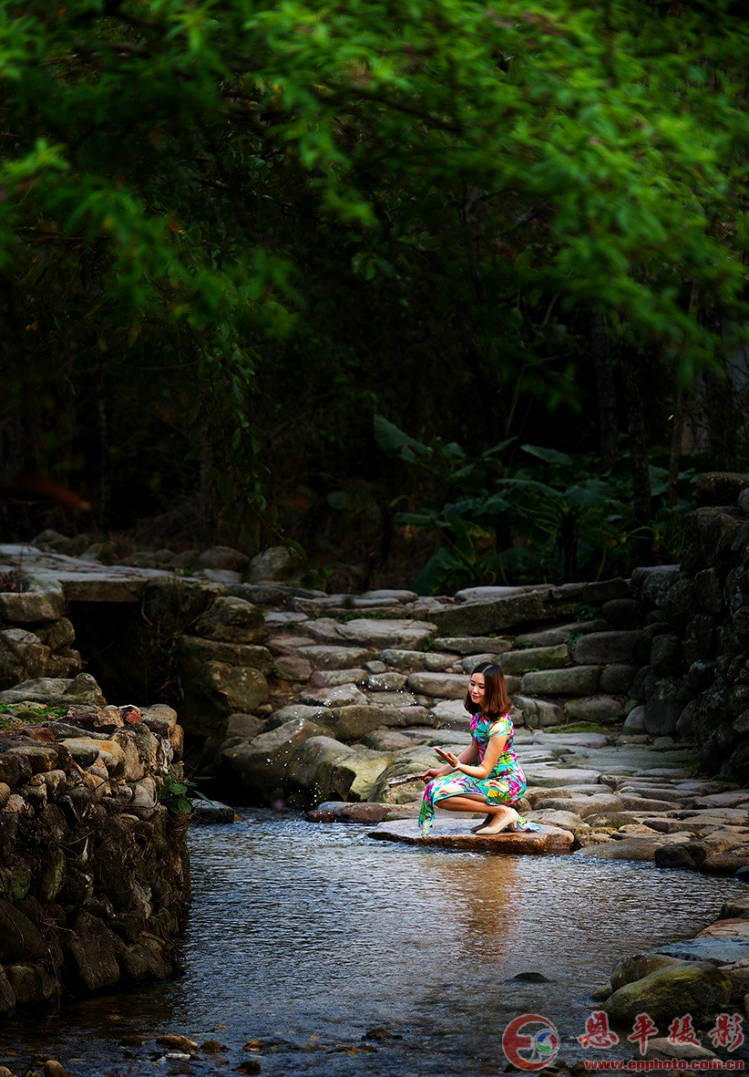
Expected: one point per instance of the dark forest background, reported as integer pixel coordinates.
(439, 293)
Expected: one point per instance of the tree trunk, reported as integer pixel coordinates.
(603, 366)
(677, 437)
(643, 502)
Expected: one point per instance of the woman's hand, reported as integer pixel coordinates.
(449, 757)
(433, 772)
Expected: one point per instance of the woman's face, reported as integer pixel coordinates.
(477, 689)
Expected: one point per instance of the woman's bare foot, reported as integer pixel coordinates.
(500, 822)
(484, 822)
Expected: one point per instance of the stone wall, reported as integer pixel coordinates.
(695, 683)
(94, 874)
(149, 633)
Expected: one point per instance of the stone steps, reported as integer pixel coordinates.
(394, 685)
(545, 674)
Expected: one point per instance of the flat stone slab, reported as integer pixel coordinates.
(438, 685)
(580, 805)
(530, 658)
(387, 633)
(575, 740)
(637, 847)
(487, 593)
(411, 661)
(342, 695)
(335, 657)
(82, 581)
(447, 834)
(719, 951)
(732, 799)
(553, 777)
(638, 760)
(283, 617)
(472, 644)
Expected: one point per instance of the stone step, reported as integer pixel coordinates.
(469, 663)
(370, 632)
(568, 633)
(535, 658)
(438, 685)
(472, 644)
(599, 708)
(604, 647)
(331, 678)
(334, 656)
(572, 681)
(536, 713)
(405, 661)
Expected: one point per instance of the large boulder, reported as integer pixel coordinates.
(51, 690)
(232, 620)
(275, 563)
(92, 953)
(536, 713)
(23, 656)
(32, 606)
(222, 558)
(634, 967)
(193, 652)
(260, 767)
(353, 723)
(669, 992)
(312, 764)
(351, 775)
(216, 689)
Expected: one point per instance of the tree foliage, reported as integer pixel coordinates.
(223, 222)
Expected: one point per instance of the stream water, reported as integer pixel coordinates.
(314, 950)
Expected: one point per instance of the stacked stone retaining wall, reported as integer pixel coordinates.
(94, 873)
(694, 682)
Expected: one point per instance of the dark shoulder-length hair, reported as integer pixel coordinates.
(496, 698)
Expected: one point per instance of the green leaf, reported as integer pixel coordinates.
(551, 456)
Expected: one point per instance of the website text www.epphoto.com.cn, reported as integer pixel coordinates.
(644, 1065)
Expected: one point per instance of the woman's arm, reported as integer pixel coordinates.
(468, 755)
(494, 749)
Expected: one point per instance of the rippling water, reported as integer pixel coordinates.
(307, 937)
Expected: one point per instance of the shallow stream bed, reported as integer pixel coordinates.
(313, 950)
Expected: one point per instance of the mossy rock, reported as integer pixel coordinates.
(687, 987)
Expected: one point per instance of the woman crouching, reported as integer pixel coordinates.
(486, 775)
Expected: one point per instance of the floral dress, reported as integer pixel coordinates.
(504, 785)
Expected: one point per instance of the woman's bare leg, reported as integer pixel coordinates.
(463, 803)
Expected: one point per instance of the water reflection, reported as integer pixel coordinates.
(307, 937)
